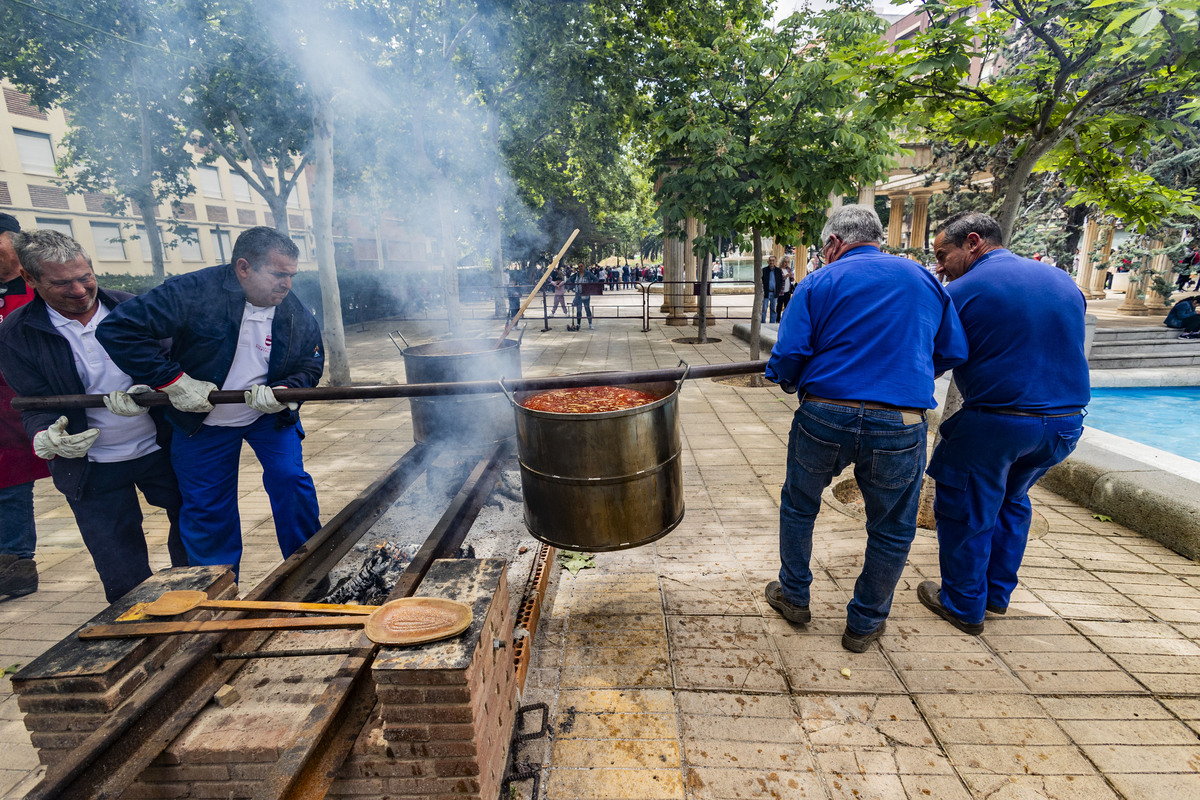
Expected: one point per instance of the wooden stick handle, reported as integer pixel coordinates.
(269, 605)
(136, 630)
(528, 300)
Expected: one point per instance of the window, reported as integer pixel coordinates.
(294, 198)
(221, 246)
(63, 226)
(145, 245)
(188, 242)
(241, 189)
(302, 243)
(106, 238)
(37, 156)
(210, 181)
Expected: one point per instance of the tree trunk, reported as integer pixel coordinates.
(153, 240)
(702, 300)
(1014, 193)
(336, 360)
(279, 206)
(756, 309)
(442, 192)
(954, 401)
(492, 217)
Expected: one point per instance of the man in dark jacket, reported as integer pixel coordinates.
(236, 326)
(1024, 387)
(98, 457)
(772, 283)
(19, 467)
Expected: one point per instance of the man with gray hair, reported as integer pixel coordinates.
(861, 342)
(1024, 388)
(99, 458)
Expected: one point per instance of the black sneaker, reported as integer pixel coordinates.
(18, 577)
(929, 595)
(858, 643)
(998, 610)
(1190, 335)
(789, 611)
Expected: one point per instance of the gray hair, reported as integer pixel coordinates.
(37, 247)
(955, 229)
(853, 224)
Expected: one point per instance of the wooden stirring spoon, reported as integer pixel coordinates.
(172, 603)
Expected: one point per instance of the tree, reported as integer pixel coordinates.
(114, 74)
(753, 135)
(1067, 85)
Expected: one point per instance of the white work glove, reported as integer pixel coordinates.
(55, 441)
(261, 398)
(189, 394)
(120, 403)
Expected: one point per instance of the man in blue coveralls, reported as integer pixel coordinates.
(236, 326)
(865, 372)
(1024, 388)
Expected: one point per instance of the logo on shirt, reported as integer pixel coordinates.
(266, 346)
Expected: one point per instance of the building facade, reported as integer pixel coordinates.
(222, 206)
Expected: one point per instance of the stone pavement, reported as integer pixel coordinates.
(668, 676)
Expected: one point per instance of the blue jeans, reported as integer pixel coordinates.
(984, 467)
(110, 518)
(207, 465)
(770, 304)
(18, 537)
(888, 457)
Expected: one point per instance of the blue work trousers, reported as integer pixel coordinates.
(888, 456)
(207, 465)
(18, 536)
(110, 518)
(984, 467)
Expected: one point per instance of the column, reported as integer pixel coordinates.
(835, 202)
(1101, 273)
(672, 275)
(691, 230)
(866, 195)
(895, 232)
(1083, 259)
(1155, 302)
(1134, 306)
(920, 220)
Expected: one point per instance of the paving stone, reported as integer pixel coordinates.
(1037, 787)
(770, 756)
(624, 753)
(934, 786)
(1018, 759)
(1124, 758)
(614, 784)
(1105, 708)
(707, 783)
(1126, 732)
(1156, 787)
(998, 731)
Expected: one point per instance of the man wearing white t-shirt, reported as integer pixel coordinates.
(98, 457)
(236, 326)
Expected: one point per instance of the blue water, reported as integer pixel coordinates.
(1163, 417)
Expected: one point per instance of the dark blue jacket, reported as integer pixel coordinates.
(1179, 312)
(37, 361)
(201, 312)
(1025, 322)
(870, 326)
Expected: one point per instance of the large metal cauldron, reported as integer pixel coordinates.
(607, 481)
(464, 419)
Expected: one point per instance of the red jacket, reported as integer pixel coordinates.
(18, 464)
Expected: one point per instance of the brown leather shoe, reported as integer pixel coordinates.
(929, 593)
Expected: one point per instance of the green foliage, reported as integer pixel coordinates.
(1067, 85)
(753, 127)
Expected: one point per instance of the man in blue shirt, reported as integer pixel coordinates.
(861, 340)
(1024, 388)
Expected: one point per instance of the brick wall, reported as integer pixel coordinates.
(70, 690)
(441, 726)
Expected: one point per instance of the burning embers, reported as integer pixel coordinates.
(588, 400)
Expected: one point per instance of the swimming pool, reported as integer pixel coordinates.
(1162, 416)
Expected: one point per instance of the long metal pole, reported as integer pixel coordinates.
(64, 401)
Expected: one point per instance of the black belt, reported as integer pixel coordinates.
(1011, 412)
(861, 404)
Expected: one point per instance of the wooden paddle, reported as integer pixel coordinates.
(533, 294)
(410, 620)
(172, 603)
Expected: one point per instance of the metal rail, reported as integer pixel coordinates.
(113, 756)
(56, 402)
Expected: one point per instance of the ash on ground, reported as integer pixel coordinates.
(373, 566)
